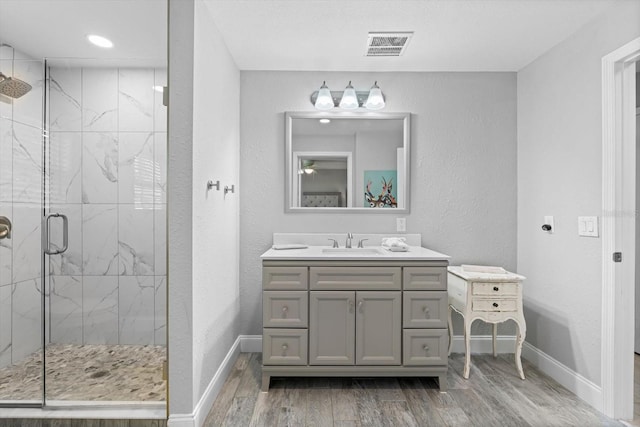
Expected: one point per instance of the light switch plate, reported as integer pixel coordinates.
(588, 226)
(401, 224)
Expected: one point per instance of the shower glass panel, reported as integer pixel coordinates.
(21, 206)
(106, 210)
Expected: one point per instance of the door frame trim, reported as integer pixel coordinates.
(618, 229)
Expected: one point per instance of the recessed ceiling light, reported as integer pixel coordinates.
(325, 121)
(100, 41)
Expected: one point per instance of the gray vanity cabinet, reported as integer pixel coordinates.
(354, 318)
(378, 327)
(364, 324)
(332, 332)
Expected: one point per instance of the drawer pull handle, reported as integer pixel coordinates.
(495, 288)
(425, 347)
(495, 304)
(350, 306)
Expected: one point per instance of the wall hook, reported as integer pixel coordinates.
(211, 184)
(228, 189)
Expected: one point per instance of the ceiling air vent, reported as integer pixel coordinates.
(388, 44)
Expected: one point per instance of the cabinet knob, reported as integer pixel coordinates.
(425, 309)
(360, 305)
(285, 309)
(425, 347)
(495, 288)
(495, 304)
(285, 347)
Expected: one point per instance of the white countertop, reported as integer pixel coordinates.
(415, 253)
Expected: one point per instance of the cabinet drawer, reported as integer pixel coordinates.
(284, 278)
(495, 305)
(355, 278)
(284, 309)
(425, 347)
(424, 278)
(284, 346)
(498, 289)
(424, 309)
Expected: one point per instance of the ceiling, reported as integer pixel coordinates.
(58, 29)
(327, 35)
(450, 35)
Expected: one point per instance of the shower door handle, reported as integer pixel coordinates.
(45, 234)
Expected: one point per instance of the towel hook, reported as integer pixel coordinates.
(228, 189)
(211, 184)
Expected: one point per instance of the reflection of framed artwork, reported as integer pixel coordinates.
(380, 189)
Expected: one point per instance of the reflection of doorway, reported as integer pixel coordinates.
(325, 179)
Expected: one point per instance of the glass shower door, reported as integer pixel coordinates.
(21, 207)
(106, 317)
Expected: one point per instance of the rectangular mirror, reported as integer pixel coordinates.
(347, 162)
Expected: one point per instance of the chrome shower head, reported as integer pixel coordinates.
(12, 87)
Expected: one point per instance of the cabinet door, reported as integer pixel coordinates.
(378, 328)
(331, 327)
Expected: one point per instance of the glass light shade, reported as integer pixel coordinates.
(349, 99)
(324, 100)
(375, 101)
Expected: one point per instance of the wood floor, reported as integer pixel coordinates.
(493, 396)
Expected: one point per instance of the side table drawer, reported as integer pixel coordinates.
(494, 305)
(495, 288)
(285, 278)
(424, 309)
(424, 347)
(284, 346)
(285, 309)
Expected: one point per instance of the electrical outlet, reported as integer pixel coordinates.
(401, 224)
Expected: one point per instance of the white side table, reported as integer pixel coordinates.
(493, 298)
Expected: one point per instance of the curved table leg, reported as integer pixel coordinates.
(522, 333)
(450, 331)
(467, 348)
(495, 333)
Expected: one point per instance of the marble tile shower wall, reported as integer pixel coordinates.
(108, 156)
(20, 200)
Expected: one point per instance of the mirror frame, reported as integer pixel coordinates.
(289, 176)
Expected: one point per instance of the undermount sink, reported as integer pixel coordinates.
(347, 251)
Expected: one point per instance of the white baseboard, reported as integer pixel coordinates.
(484, 344)
(582, 387)
(197, 417)
(250, 343)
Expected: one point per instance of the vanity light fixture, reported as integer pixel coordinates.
(100, 41)
(324, 100)
(375, 100)
(350, 99)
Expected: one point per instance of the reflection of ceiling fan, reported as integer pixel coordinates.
(308, 167)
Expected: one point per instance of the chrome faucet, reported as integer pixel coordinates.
(348, 242)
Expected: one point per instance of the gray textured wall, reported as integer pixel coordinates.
(560, 174)
(463, 167)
